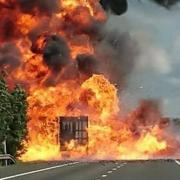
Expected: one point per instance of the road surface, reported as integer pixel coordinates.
(138, 170)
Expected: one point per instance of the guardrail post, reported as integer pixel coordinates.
(5, 151)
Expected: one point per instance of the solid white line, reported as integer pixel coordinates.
(37, 171)
(177, 162)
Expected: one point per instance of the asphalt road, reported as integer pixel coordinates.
(137, 170)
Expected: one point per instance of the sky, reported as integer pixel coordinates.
(157, 71)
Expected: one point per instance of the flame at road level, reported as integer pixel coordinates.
(109, 137)
(46, 64)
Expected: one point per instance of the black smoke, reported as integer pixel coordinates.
(56, 53)
(166, 3)
(117, 53)
(43, 6)
(88, 64)
(8, 29)
(9, 56)
(117, 7)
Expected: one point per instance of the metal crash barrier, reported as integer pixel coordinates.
(7, 159)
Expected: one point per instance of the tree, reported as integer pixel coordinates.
(18, 125)
(6, 116)
(12, 117)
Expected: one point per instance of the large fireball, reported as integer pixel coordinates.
(52, 50)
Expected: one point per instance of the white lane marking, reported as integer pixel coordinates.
(114, 169)
(177, 162)
(104, 175)
(37, 171)
(121, 165)
(118, 167)
(109, 172)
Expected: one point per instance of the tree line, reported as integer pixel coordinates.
(13, 106)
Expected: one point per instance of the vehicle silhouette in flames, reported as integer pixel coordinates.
(73, 128)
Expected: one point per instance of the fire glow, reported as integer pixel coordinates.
(51, 47)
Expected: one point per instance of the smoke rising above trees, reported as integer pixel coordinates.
(57, 65)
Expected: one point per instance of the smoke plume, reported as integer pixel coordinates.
(44, 6)
(117, 7)
(88, 64)
(166, 3)
(118, 51)
(56, 53)
(9, 56)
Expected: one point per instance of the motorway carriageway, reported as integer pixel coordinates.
(99, 170)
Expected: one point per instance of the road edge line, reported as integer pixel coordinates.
(177, 162)
(37, 171)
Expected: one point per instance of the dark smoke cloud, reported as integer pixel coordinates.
(43, 6)
(147, 115)
(117, 53)
(7, 26)
(9, 4)
(9, 56)
(117, 7)
(88, 64)
(166, 3)
(56, 53)
(80, 22)
(41, 30)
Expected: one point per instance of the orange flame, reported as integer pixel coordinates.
(110, 135)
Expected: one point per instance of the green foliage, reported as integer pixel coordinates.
(12, 116)
(6, 116)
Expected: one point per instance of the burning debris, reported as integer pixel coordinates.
(68, 69)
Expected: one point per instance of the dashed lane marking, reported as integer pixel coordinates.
(109, 172)
(121, 165)
(114, 169)
(104, 175)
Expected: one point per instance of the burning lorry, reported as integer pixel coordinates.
(73, 129)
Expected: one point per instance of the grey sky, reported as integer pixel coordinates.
(157, 71)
